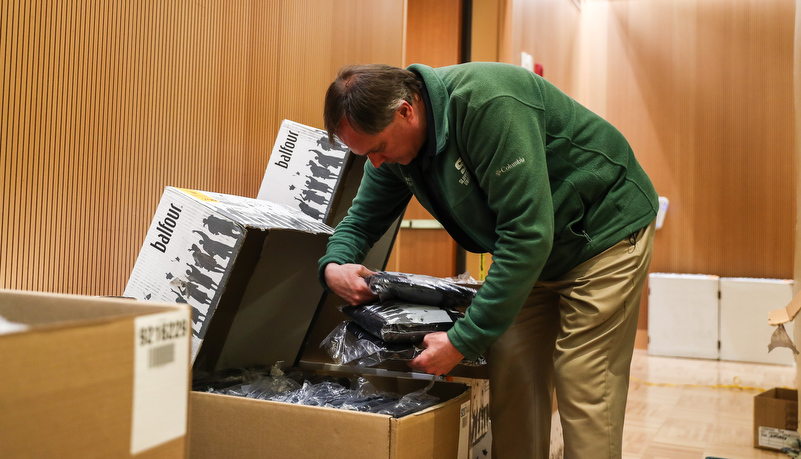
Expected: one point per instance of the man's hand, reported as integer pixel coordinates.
(348, 282)
(439, 357)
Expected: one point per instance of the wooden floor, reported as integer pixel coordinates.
(693, 408)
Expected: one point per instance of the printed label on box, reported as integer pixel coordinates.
(464, 430)
(771, 437)
(161, 379)
(480, 409)
(304, 170)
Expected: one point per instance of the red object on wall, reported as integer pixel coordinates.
(538, 69)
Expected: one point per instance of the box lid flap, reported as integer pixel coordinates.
(787, 313)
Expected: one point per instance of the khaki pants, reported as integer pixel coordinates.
(575, 335)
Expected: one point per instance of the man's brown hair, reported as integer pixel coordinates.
(367, 96)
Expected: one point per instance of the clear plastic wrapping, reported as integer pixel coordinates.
(419, 289)
(411, 402)
(350, 344)
(354, 394)
(399, 322)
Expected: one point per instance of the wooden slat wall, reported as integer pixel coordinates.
(797, 106)
(797, 128)
(104, 103)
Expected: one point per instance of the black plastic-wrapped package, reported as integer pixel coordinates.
(399, 322)
(419, 289)
(348, 343)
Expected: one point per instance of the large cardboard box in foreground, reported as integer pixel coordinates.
(775, 418)
(92, 377)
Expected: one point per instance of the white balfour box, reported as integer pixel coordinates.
(305, 171)
(240, 261)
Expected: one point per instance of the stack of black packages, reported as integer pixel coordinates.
(410, 306)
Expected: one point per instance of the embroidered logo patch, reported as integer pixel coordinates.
(465, 180)
(511, 165)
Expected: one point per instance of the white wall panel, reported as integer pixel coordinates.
(744, 329)
(683, 315)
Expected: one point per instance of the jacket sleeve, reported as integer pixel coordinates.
(381, 198)
(504, 144)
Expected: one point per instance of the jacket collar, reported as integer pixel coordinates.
(439, 97)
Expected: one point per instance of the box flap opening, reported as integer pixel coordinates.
(786, 314)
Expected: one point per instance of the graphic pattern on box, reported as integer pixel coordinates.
(304, 170)
(192, 243)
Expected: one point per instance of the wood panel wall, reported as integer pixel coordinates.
(433, 32)
(104, 103)
(703, 90)
(485, 26)
(797, 107)
(433, 37)
(548, 30)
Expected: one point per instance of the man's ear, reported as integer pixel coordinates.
(405, 110)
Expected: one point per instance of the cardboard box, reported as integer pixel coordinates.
(256, 309)
(258, 305)
(243, 262)
(236, 427)
(775, 418)
(480, 434)
(320, 179)
(93, 377)
(305, 171)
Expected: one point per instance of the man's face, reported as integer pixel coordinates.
(397, 143)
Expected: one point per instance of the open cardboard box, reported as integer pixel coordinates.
(259, 309)
(775, 418)
(93, 377)
(236, 427)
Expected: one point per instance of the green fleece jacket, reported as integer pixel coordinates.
(513, 167)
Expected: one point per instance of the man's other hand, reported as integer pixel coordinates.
(439, 356)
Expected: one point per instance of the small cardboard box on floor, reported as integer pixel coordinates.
(92, 377)
(776, 410)
(256, 309)
(775, 418)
